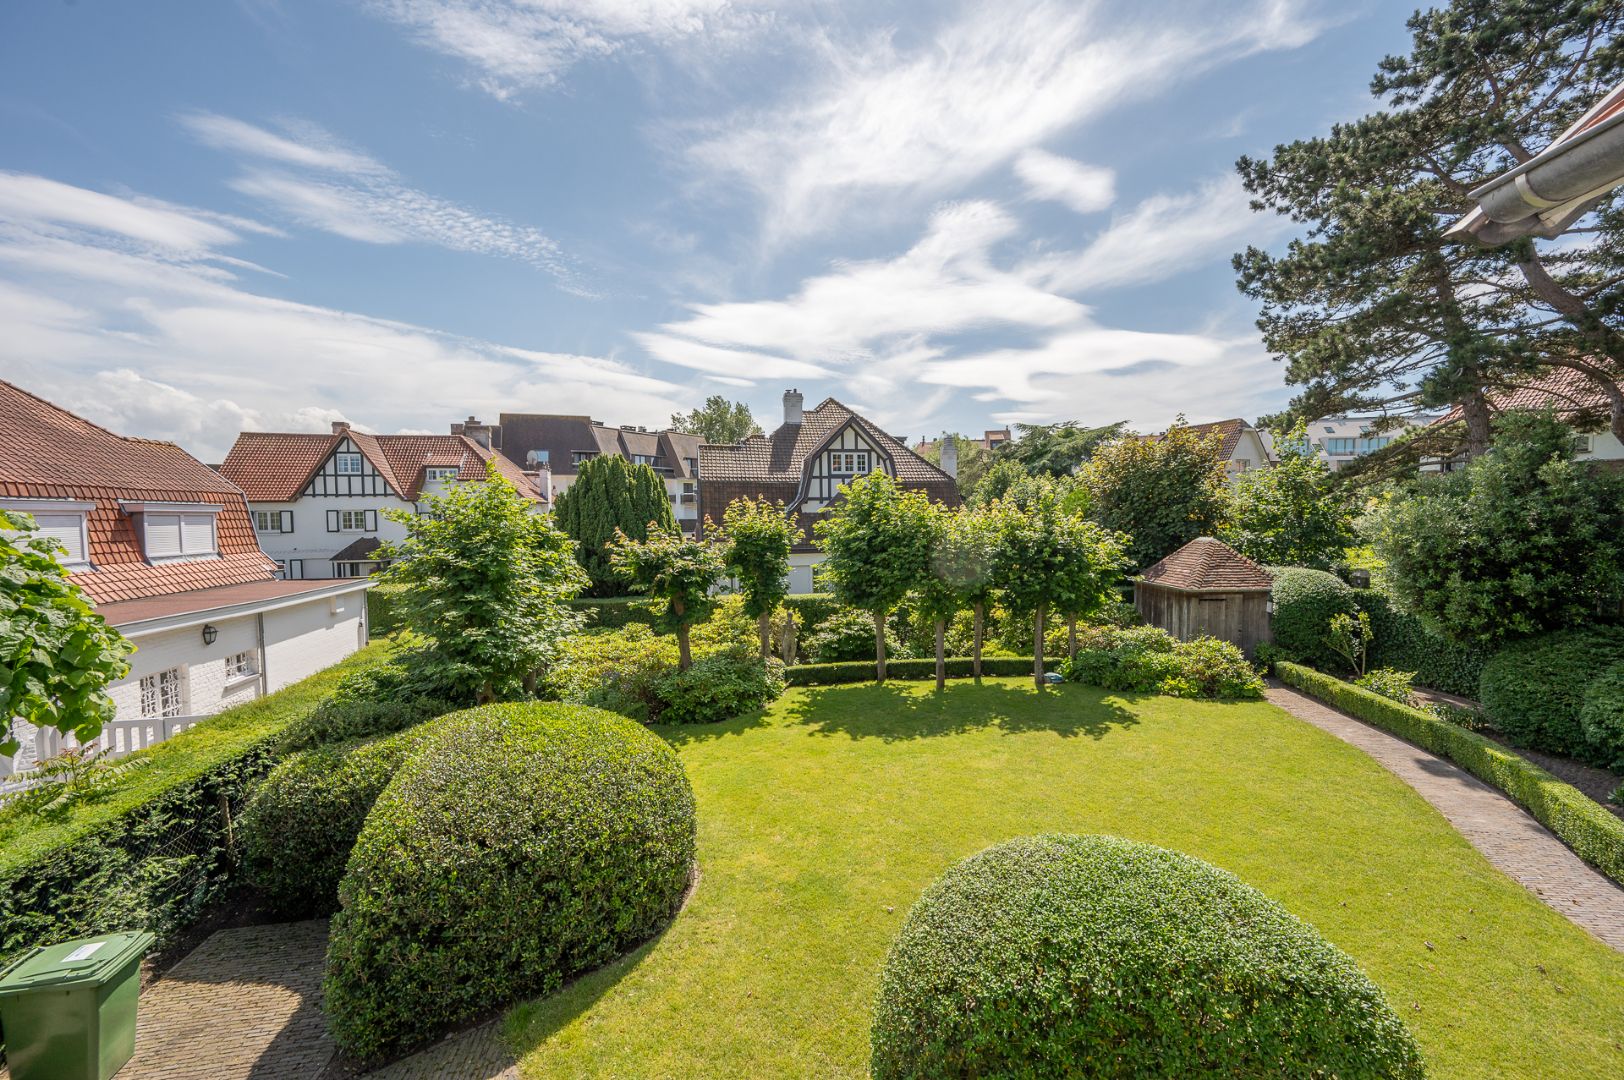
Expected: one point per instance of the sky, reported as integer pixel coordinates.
(274, 214)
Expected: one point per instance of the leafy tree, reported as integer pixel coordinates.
(1293, 514)
(1376, 307)
(1002, 475)
(1349, 636)
(1523, 540)
(681, 570)
(1163, 491)
(973, 461)
(1089, 565)
(1056, 449)
(611, 495)
(718, 421)
(963, 563)
(758, 536)
(57, 656)
(877, 540)
(485, 584)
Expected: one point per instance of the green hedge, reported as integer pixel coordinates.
(1404, 642)
(856, 671)
(1534, 690)
(1304, 603)
(383, 616)
(156, 851)
(613, 612)
(1062, 956)
(520, 845)
(1591, 831)
(812, 608)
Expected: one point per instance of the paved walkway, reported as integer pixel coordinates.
(1512, 840)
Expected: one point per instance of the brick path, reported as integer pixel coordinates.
(1513, 841)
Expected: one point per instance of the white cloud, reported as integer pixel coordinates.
(888, 121)
(166, 347)
(305, 145)
(49, 203)
(518, 44)
(1084, 188)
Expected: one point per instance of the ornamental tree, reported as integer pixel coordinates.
(1523, 540)
(485, 583)
(1163, 492)
(964, 562)
(1089, 564)
(757, 536)
(681, 570)
(718, 421)
(937, 594)
(877, 540)
(57, 656)
(611, 495)
(1293, 514)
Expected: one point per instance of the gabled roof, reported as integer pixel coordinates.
(782, 455)
(1208, 565)
(47, 452)
(276, 466)
(1229, 434)
(1569, 392)
(564, 436)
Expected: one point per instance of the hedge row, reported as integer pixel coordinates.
(1591, 831)
(855, 671)
(1404, 642)
(160, 848)
(383, 616)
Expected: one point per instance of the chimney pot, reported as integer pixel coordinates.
(792, 407)
(340, 426)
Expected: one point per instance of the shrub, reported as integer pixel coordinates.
(860, 671)
(301, 822)
(1533, 690)
(522, 844)
(1594, 834)
(1149, 660)
(373, 701)
(613, 612)
(1601, 716)
(1060, 956)
(1390, 684)
(1305, 601)
(383, 612)
(1406, 642)
(619, 670)
(718, 687)
(847, 635)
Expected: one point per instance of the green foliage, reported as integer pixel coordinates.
(680, 570)
(374, 700)
(611, 495)
(383, 614)
(1533, 690)
(995, 484)
(1406, 642)
(1523, 540)
(1594, 834)
(1393, 685)
(1062, 956)
(484, 584)
(845, 636)
(1162, 492)
(1349, 637)
(1055, 449)
(719, 687)
(958, 667)
(1305, 602)
(302, 820)
(56, 654)
(718, 421)
(77, 774)
(619, 670)
(1601, 716)
(1149, 660)
(610, 612)
(519, 846)
(758, 536)
(1293, 513)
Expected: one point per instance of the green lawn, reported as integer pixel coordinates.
(820, 822)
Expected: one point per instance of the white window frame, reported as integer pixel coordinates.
(359, 516)
(164, 694)
(241, 666)
(436, 473)
(346, 458)
(59, 508)
(147, 512)
(850, 463)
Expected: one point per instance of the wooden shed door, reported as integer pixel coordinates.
(1213, 617)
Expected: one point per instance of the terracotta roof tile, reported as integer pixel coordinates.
(1229, 432)
(276, 466)
(1567, 391)
(1206, 564)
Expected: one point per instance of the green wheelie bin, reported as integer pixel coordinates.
(69, 1009)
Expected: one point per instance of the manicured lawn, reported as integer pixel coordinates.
(820, 822)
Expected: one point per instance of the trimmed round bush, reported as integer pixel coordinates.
(520, 845)
(1304, 603)
(1066, 956)
(719, 687)
(1533, 690)
(1602, 716)
(301, 822)
(845, 636)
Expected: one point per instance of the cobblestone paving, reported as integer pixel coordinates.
(1512, 840)
(477, 1054)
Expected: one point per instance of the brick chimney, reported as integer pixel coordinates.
(341, 427)
(792, 407)
(475, 430)
(950, 455)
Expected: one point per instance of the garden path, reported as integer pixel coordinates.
(1507, 836)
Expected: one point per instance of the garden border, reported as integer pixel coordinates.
(1594, 834)
(911, 669)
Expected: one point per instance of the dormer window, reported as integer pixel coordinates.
(347, 464)
(434, 475)
(173, 531)
(61, 520)
(849, 463)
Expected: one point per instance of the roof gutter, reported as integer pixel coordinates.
(183, 620)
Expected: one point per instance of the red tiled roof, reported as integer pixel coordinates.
(49, 453)
(1571, 393)
(1229, 432)
(200, 600)
(274, 466)
(1208, 565)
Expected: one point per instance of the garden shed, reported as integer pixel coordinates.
(1207, 587)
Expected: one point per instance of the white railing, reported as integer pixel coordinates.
(121, 737)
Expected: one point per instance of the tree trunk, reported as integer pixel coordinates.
(764, 627)
(1071, 636)
(941, 653)
(879, 646)
(1476, 411)
(1038, 621)
(486, 694)
(980, 626)
(789, 644)
(684, 659)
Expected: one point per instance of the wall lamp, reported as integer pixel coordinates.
(210, 633)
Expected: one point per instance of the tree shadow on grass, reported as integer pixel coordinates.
(892, 712)
(683, 734)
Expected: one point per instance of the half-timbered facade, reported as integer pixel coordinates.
(318, 502)
(803, 465)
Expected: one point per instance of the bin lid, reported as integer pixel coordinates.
(91, 961)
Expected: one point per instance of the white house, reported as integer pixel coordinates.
(318, 501)
(163, 547)
(1240, 445)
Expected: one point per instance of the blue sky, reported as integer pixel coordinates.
(270, 214)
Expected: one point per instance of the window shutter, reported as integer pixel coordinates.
(372, 521)
(332, 521)
(162, 535)
(197, 534)
(286, 522)
(67, 530)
